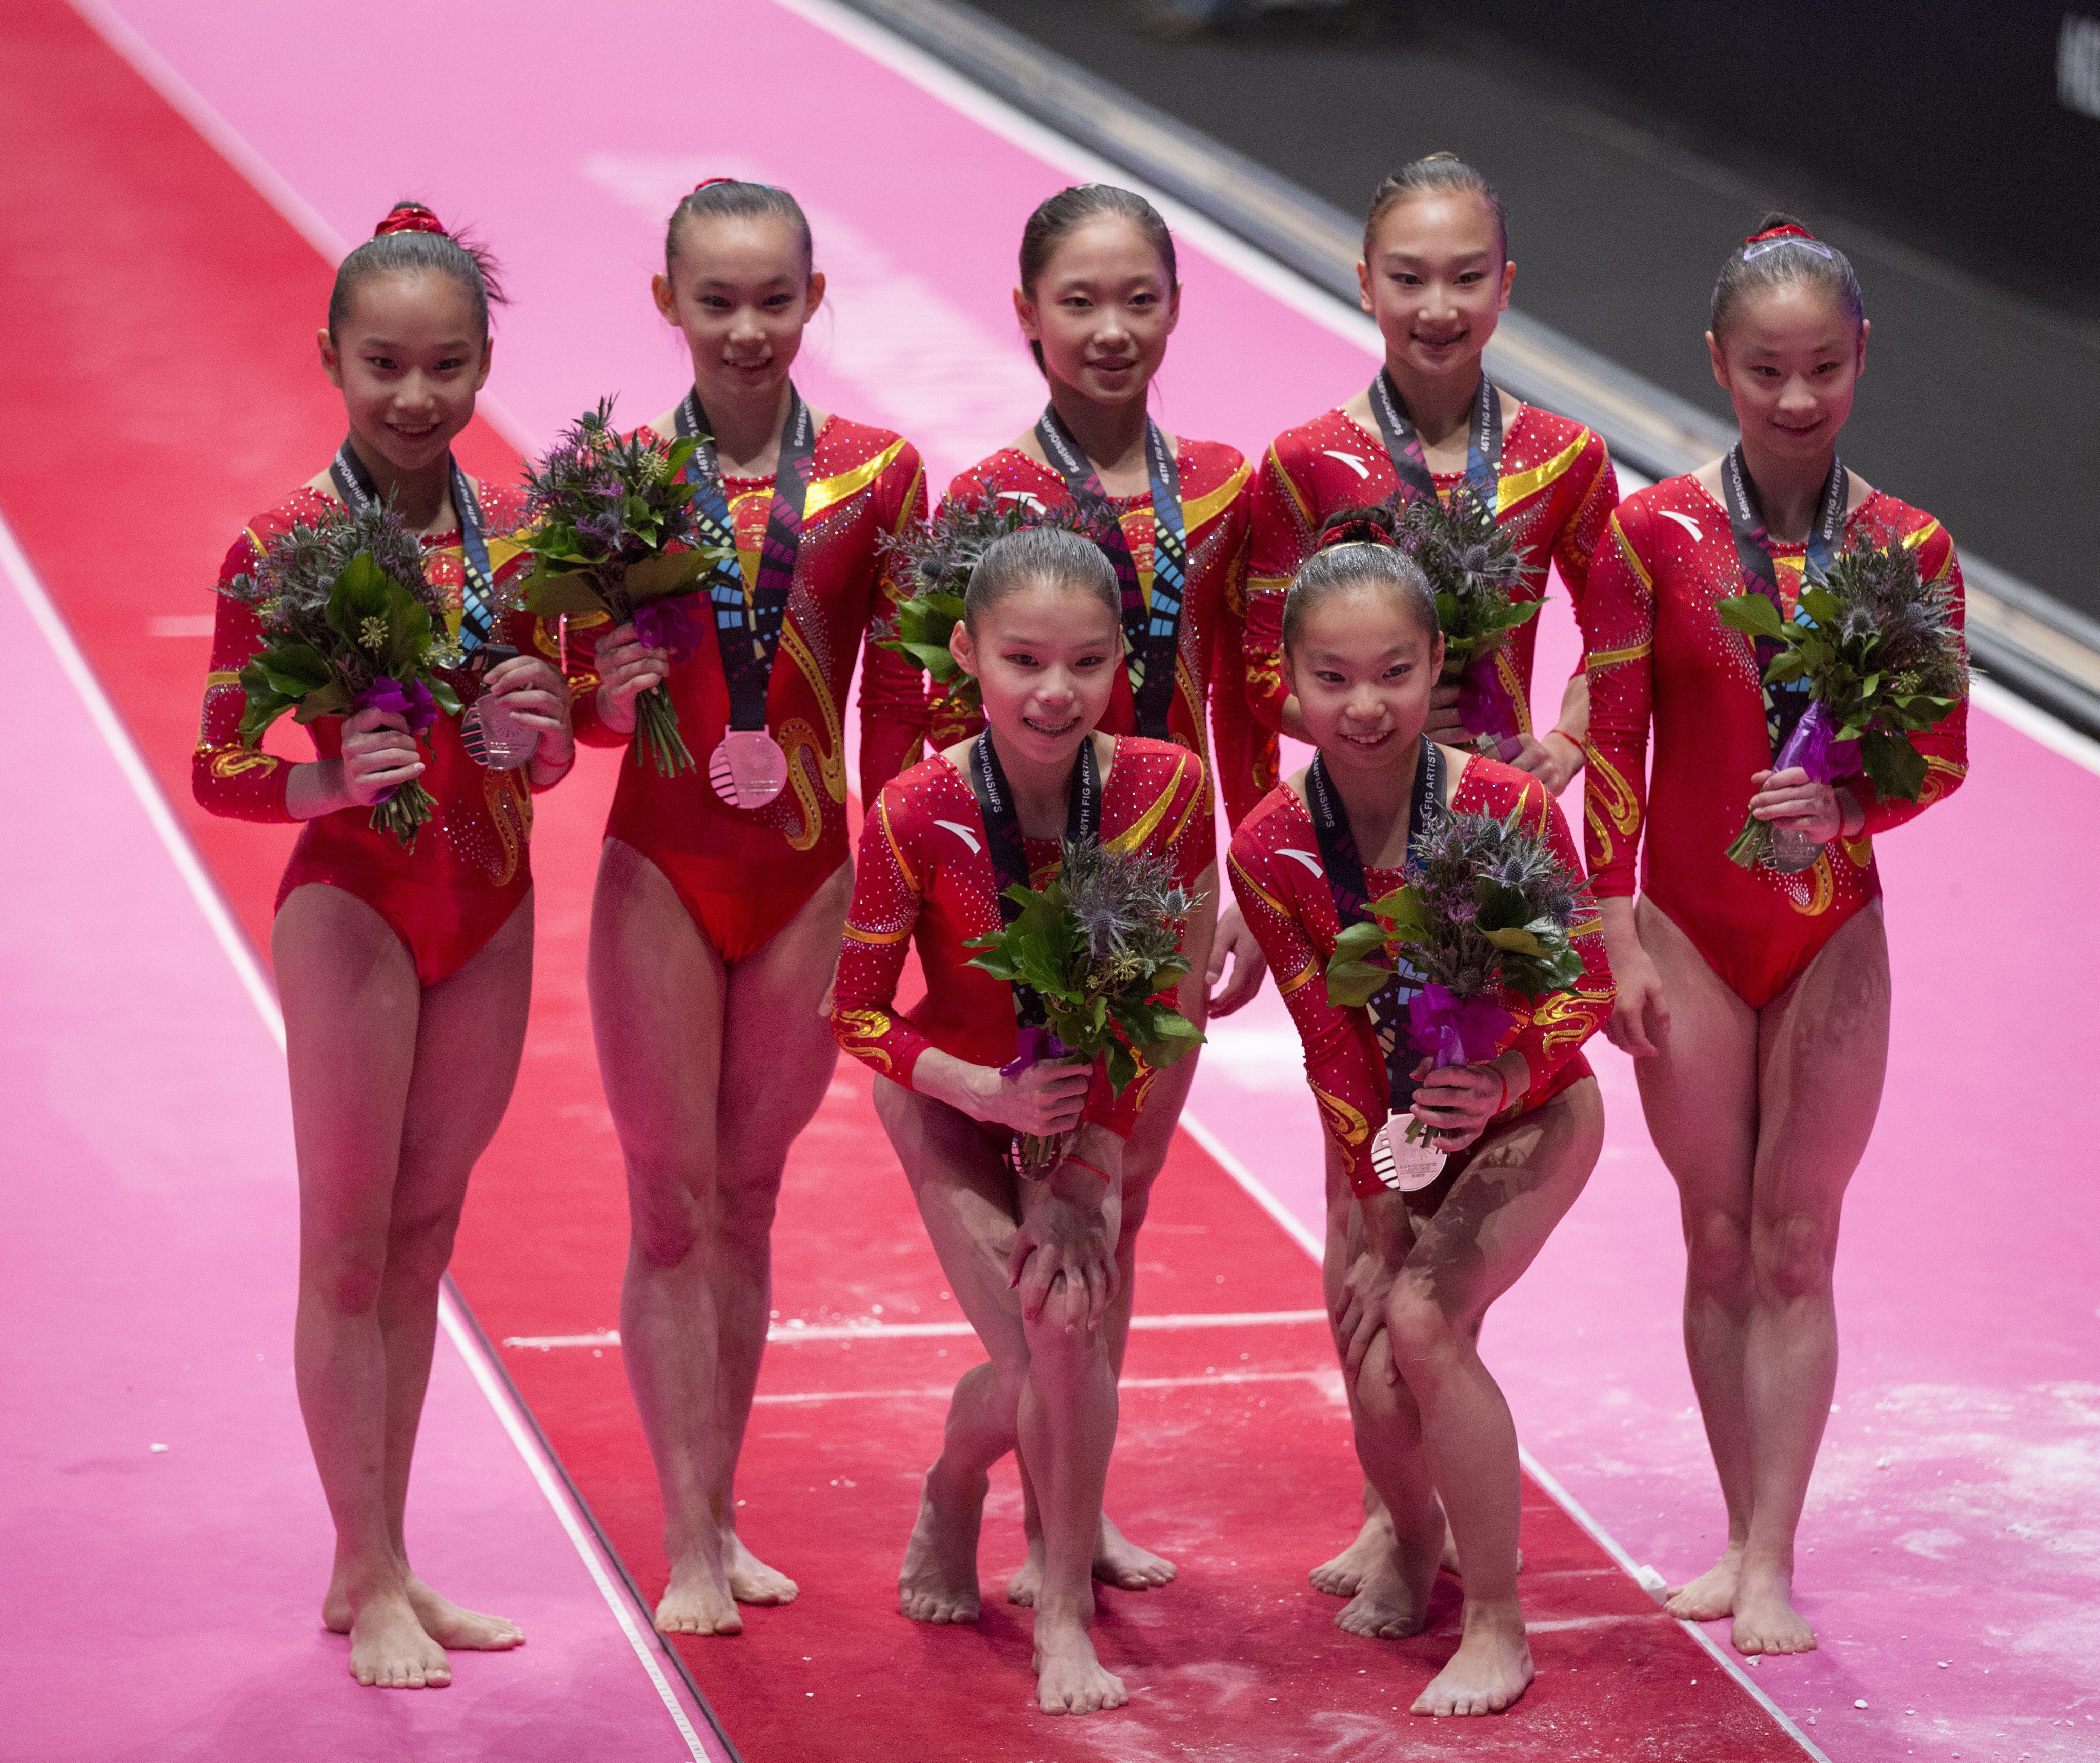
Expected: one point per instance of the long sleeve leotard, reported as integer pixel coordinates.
(743, 874)
(469, 867)
(1284, 893)
(1658, 653)
(1555, 491)
(924, 874)
(1240, 754)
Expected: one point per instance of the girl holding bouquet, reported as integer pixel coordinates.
(1097, 300)
(1411, 1274)
(1436, 276)
(1756, 1001)
(1033, 1261)
(404, 968)
(722, 886)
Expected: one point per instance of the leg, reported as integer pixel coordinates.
(1118, 1561)
(1822, 1053)
(657, 992)
(352, 1006)
(467, 1045)
(777, 1054)
(1699, 1094)
(1489, 1228)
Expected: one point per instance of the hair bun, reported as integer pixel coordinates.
(1356, 526)
(1778, 226)
(410, 216)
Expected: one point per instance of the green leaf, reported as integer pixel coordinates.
(1897, 768)
(1751, 613)
(669, 572)
(293, 670)
(1352, 983)
(1515, 939)
(447, 700)
(551, 593)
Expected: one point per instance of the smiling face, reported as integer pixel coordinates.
(1435, 280)
(1044, 657)
(1363, 662)
(409, 355)
(742, 290)
(1790, 360)
(1101, 310)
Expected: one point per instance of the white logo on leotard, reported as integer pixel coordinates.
(962, 832)
(1685, 521)
(1350, 460)
(1027, 501)
(1306, 858)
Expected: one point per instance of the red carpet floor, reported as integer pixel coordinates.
(156, 367)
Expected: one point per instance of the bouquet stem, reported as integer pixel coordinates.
(656, 733)
(402, 810)
(1038, 1157)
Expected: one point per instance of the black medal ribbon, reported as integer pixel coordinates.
(1346, 882)
(1004, 843)
(354, 485)
(1784, 704)
(1151, 632)
(748, 631)
(1483, 442)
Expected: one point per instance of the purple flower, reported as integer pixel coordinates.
(1455, 1030)
(412, 702)
(666, 624)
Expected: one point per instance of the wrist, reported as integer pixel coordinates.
(615, 712)
(1851, 816)
(1573, 743)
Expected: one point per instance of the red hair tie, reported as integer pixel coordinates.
(709, 183)
(1355, 532)
(410, 216)
(1788, 231)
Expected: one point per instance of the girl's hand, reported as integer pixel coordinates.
(1046, 1099)
(1459, 1101)
(378, 754)
(627, 667)
(1553, 761)
(534, 694)
(1368, 1283)
(1443, 725)
(1065, 1249)
(1640, 1017)
(1249, 964)
(1788, 798)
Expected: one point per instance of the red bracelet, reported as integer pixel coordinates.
(1502, 1078)
(1084, 1164)
(1571, 741)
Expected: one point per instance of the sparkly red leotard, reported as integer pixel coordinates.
(743, 874)
(924, 874)
(1283, 890)
(1556, 490)
(469, 867)
(1241, 755)
(1657, 650)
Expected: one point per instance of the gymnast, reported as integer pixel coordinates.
(1409, 1276)
(1033, 1263)
(1756, 1004)
(403, 973)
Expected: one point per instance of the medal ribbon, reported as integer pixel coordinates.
(748, 630)
(354, 485)
(1784, 704)
(1153, 633)
(1004, 846)
(1346, 881)
(1483, 442)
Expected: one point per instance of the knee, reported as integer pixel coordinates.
(1383, 1403)
(346, 1275)
(666, 1219)
(746, 1201)
(1717, 1249)
(1794, 1254)
(1423, 1337)
(1066, 1357)
(419, 1250)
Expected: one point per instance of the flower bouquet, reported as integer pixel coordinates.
(1487, 909)
(604, 511)
(1475, 570)
(1097, 949)
(350, 623)
(1877, 647)
(938, 558)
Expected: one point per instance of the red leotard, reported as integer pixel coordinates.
(1283, 890)
(469, 867)
(1557, 487)
(924, 874)
(743, 874)
(1214, 506)
(1656, 649)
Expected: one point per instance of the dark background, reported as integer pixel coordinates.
(1635, 143)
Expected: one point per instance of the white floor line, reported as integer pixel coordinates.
(234, 942)
(1322, 1376)
(1255, 1191)
(789, 1334)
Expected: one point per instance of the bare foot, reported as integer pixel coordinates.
(1344, 1576)
(1118, 1561)
(698, 1600)
(1393, 1601)
(454, 1625)
(1069, 1678)
(1713, 1594)
(750, 1580)
(1766, 1619)
(1490, 1670)
(938, 1582)
(389, 1651)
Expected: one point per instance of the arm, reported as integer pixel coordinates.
(1244, 750)
(1280, 541)
(892, 688)
(1618, 627)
